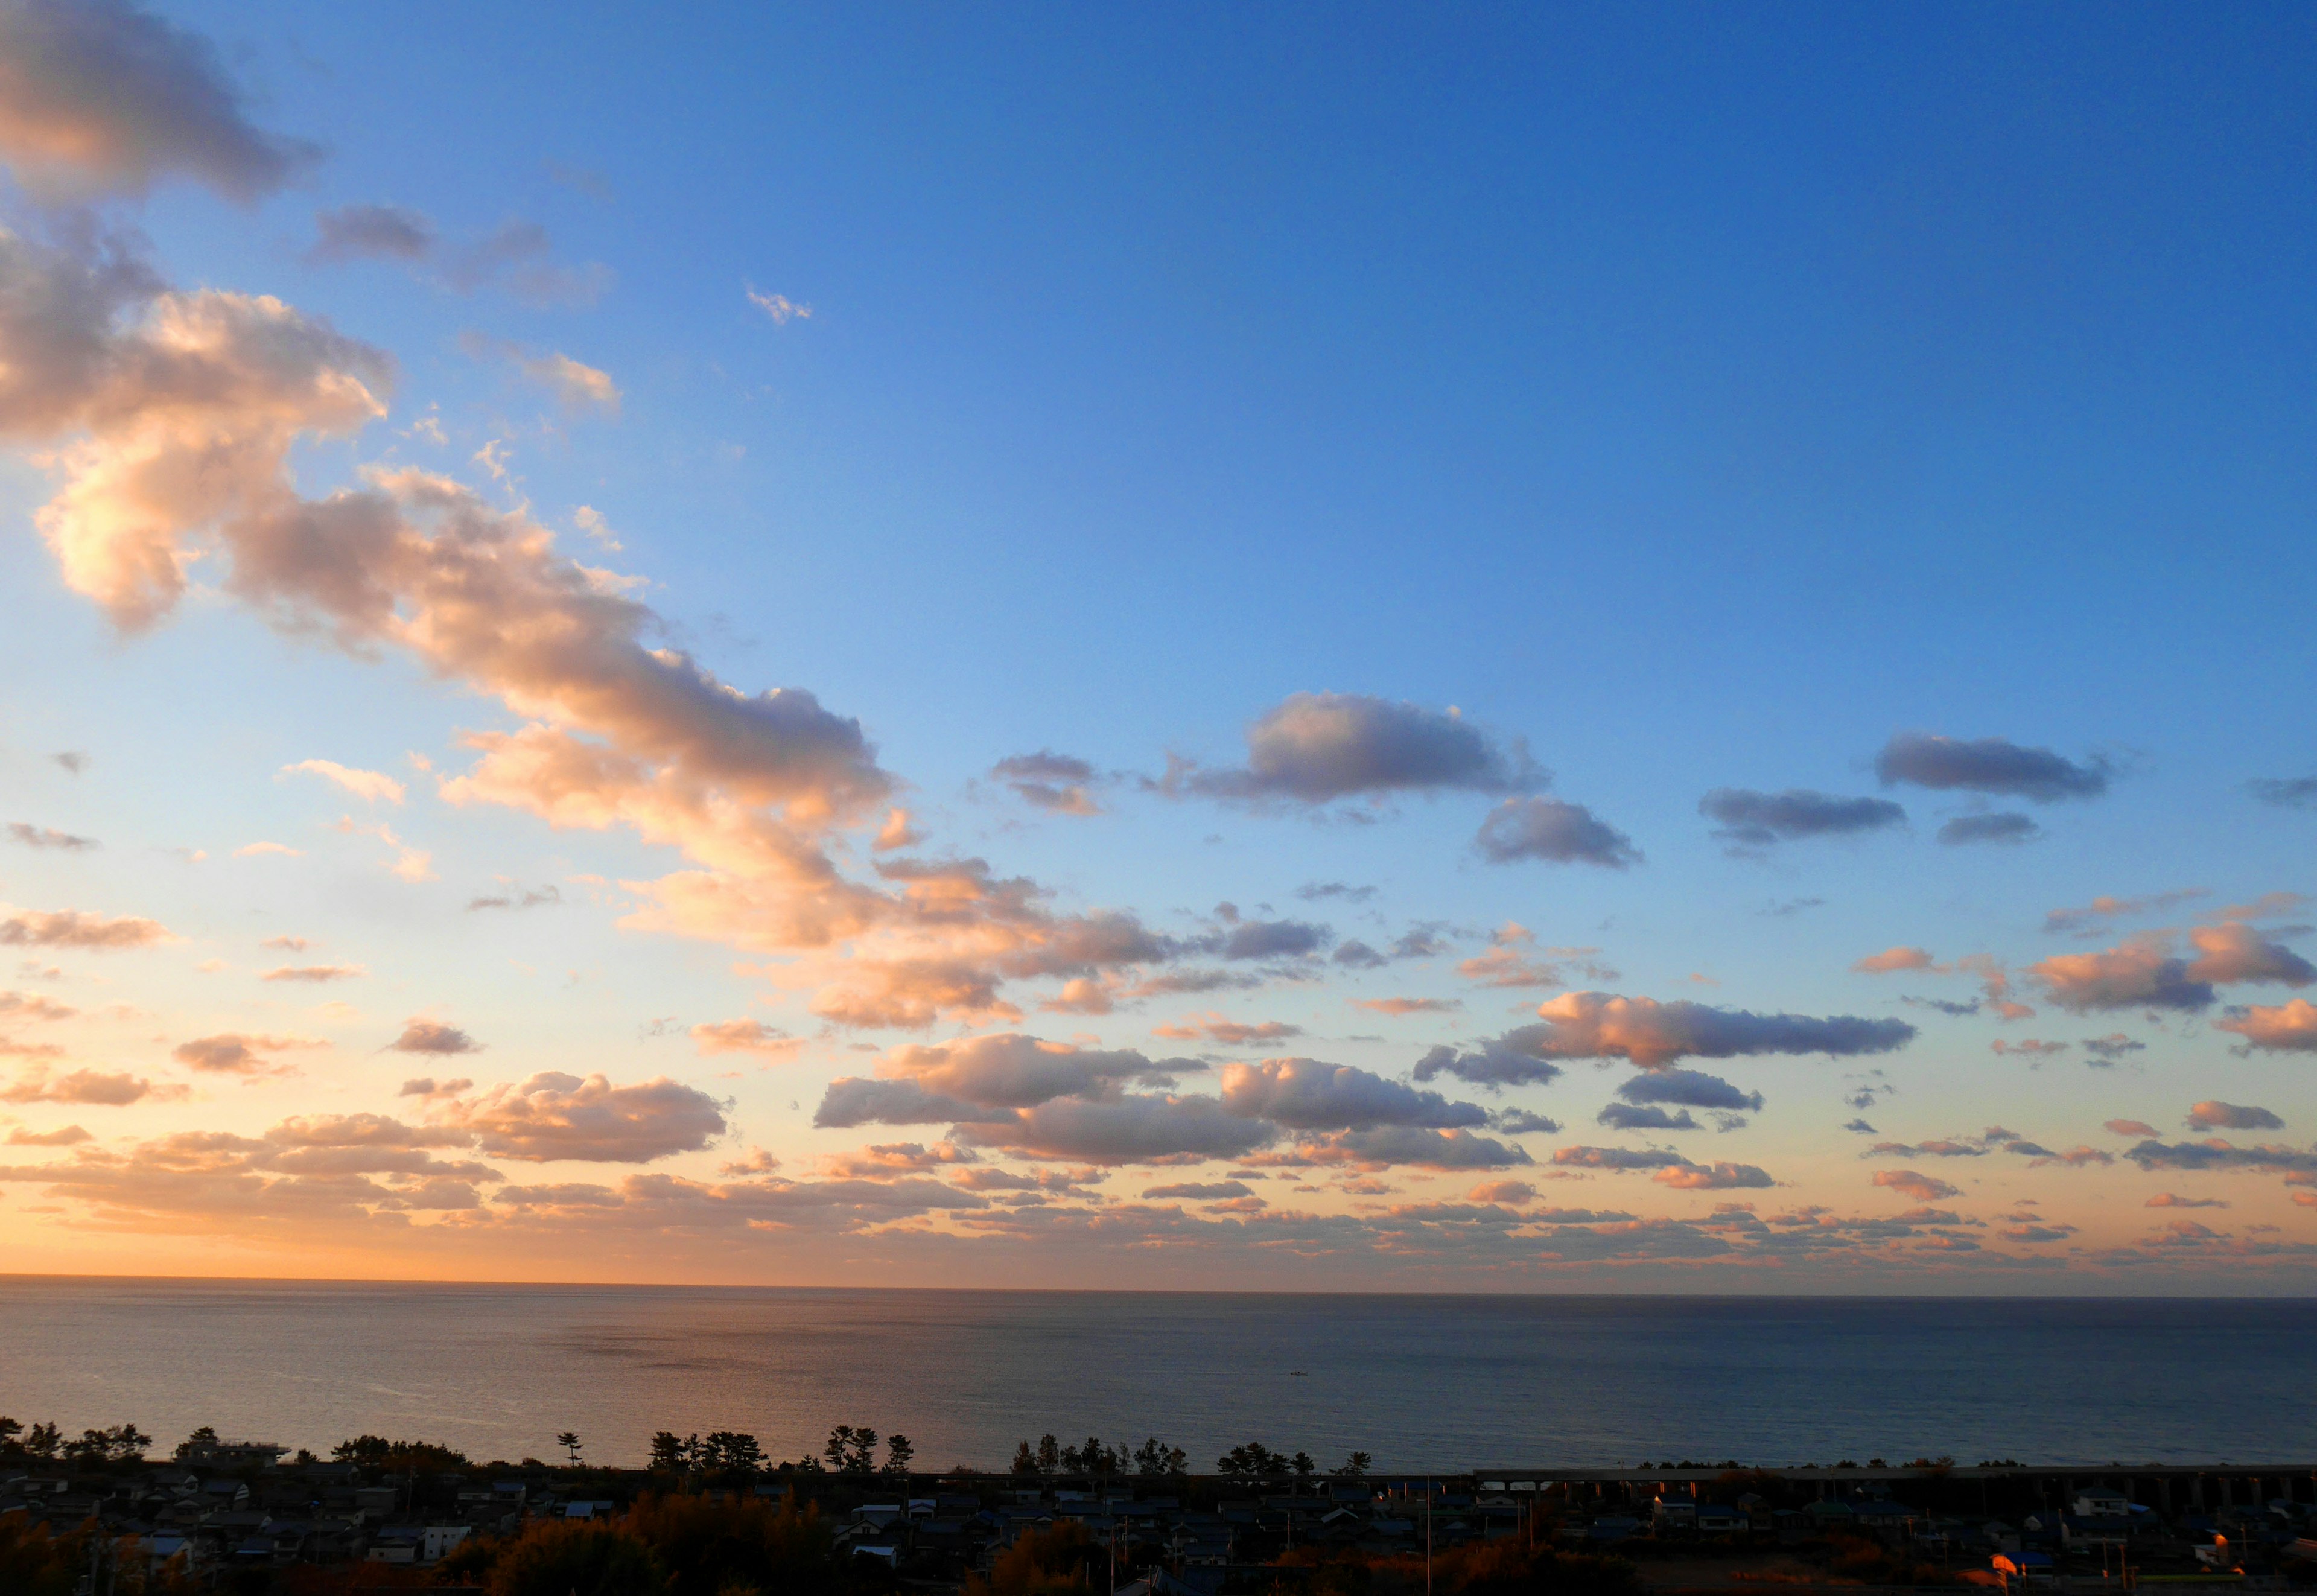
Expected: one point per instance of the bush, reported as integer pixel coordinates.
(553, 1558)
(1041, 1563)
(709, 1544)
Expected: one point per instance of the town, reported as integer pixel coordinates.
(713, 1515)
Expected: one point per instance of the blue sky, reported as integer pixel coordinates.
(1702, 399)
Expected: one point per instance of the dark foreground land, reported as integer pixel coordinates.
(383, 1516)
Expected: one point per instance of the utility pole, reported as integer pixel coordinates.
(1428, 1537)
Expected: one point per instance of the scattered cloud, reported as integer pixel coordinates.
(2144, 973)
(2106, 1050)
(1055, 783)
(317, 974)
(1230, 1033)
(2212, 1116)
(70, 1135)
(258, 850)
(1892, 959)
(1558, 833)
(2215, 1153)
(109, 99)
(1271, 939)
(1513, 960)
(1751, 822)
(779, 308)
(233, 1053)
(2286, 1027)
(34, 1006)
(69, 927)
(1652, 1035)
(1399, 1008)
(1989, 828)
(518, 256)
(369, 785)
(1316, 748)
(1306, 1095)
(1923, 1189)
(2298, 792)
(370, 232)
(552, 1116)
(537, 897)
(44, 837)
(744, 1036)
(1688, 1089)
(1521, 1122)
(1626, 1116)
(1715, 1177)
(577, 388)
(427, 1035)
(2028, 1048)
(429, 1086)
(1990, 764)
(112, 1090)
(1200, 1191)
(2167, 1199)
(2096, 915)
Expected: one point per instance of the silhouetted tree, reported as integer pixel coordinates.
(1154, 1457)
(1353, 1467)
(730, 1448)
(375, 1452)
(898, 1453)
(851, 1449)
(571, 1444)
(1252, 1460)
(1025, 1461)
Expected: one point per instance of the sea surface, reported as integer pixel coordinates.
(1445, 1383)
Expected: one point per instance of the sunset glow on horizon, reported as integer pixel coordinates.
(1454, 651)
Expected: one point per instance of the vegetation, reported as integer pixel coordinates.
(699, 1544)
(375, 1452)
(95, 1449)
(1506, 1567)
(36, 1560)
(1095, 1460)
(1045, 1563)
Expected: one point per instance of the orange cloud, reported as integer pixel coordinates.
(1892, 959)
(1400, 1007)
(1923, 1189)
(2286, 1027)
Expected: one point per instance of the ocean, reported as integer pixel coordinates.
(1439, 1383)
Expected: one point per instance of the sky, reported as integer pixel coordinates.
(1494, 649)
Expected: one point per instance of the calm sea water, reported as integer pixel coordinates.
(1421, 1382)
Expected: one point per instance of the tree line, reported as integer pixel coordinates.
(123, 1443)
(851, 1451)
(1252, 1460)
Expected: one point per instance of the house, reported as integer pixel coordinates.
(2101, 1504)
(2103, 1531)
(1673, 1512)
(217, 1454)
(1714, 1518)
(437, 1539)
